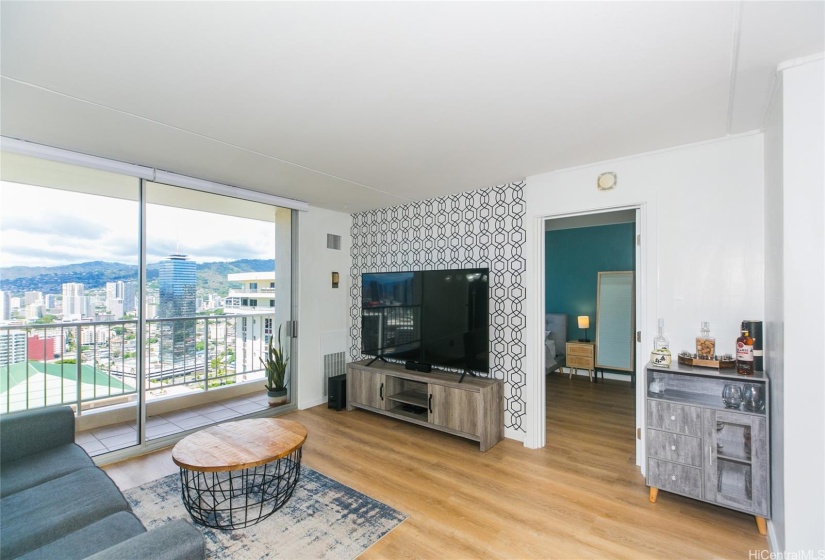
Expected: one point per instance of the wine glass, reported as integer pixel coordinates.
(732, 396)
(753, 397)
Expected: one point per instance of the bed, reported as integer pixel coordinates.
(555, 340)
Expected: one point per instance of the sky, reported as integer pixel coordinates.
(50, 227)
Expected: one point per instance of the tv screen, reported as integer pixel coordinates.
(440, 317)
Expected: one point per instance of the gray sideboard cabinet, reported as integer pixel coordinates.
(698, 447)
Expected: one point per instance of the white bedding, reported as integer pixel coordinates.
(550, 353)
(555, 339)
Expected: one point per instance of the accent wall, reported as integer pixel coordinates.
(477, 229)
(573, 259)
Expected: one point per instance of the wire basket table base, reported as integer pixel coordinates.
(240, 498)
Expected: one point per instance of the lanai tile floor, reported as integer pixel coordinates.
(118, 436)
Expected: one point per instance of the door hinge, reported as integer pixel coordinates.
(639, 240)
(292, 329)
(638, 433)
(638, 336)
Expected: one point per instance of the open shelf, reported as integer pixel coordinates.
(411, 396)
(410, 411)
(698, 399)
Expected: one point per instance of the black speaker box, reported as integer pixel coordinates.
(418, 366)
(337, 392)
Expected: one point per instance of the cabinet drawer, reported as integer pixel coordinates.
(674, 447)
(672, 477)
(579, 362)
(580, 350)
(672, 417)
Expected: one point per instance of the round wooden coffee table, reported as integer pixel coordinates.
(239, 473)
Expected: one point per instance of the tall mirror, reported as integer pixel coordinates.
(615, 321)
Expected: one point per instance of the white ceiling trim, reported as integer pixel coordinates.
(33, 149)
(799, 61)
(734, 62)
(608, 162)
(205, 137)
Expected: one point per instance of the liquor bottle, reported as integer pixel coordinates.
(744, 353)
(660, 342)
(705, 344)
(661, 348)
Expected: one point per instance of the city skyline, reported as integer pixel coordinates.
(66, 227)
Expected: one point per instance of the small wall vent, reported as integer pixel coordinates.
(334, 364)
(333, 241)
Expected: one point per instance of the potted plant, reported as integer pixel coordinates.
(275, 366)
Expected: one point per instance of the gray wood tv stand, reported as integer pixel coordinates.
(473, 409)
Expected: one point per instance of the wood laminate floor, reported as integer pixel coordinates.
(580, 497)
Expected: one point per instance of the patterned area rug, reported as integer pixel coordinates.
(323, 519)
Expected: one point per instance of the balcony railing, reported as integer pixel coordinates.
(243, 291)
(93, 364)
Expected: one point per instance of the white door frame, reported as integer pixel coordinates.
(538, 421)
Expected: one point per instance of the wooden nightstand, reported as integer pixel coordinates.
(581, 355)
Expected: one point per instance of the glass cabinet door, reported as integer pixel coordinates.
(736, 461)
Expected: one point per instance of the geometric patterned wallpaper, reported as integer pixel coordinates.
(477, 229)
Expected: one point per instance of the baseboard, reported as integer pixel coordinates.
(772, 542)
(309, 404)
(510, 433)
(607, 375)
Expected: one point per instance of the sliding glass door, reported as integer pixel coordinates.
(69, 277)
(146, 307)
(212, 305)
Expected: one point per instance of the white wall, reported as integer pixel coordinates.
(702, 242)
(775, 312)
(324, 311)
(803, 191)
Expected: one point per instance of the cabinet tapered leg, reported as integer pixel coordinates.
(654, 492)
(762, 525)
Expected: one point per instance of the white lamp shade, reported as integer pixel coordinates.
(584, 322)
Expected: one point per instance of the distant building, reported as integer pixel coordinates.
(53, 302)
(120, 297)
(255, 300)
(32, 297)
(34, 311)
(12, 347)
(177, 283)
(75, 304)
(5, 306)
(40, 348)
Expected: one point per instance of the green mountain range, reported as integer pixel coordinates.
(95, 274)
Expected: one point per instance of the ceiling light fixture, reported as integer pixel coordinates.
(606, 181)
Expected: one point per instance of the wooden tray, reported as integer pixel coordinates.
(716, 364)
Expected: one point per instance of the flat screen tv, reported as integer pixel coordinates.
(437, 317)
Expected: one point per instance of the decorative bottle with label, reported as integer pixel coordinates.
(705, 344)
(661, 347)
(744, 353)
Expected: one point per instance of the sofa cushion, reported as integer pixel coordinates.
(37, 516)
(174, 540)
(93, 538)
(31, 431)
(42, 467)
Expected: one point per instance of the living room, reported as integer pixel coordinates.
(729, 219)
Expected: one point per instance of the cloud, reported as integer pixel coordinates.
(228, 250)
(53, 225)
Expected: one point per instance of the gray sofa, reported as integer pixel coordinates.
(55, 503)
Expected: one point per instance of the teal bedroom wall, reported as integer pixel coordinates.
(573, 259)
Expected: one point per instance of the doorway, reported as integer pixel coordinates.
(575, 248)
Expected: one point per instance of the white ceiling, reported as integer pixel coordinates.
(352, 106)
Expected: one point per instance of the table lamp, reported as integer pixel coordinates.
(584, 323)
